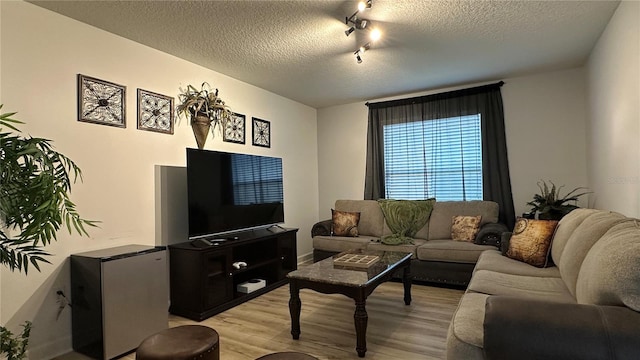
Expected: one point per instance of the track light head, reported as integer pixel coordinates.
(357, 24)
(375, 34)
(358, 58)
(364, 5)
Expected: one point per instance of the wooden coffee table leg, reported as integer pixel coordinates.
(406, 281)
(360, 319)
(294, 309)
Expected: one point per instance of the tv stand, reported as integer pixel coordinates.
(276, 229)
(204, 281)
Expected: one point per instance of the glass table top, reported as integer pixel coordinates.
(328, 271)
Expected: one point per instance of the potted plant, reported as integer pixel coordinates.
(204, 108)
(14, 347)
(549, 205)
(35, 182)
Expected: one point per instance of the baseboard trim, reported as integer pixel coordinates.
(51, 349)
(305, 259)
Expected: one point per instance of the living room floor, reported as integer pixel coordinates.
(395, 331)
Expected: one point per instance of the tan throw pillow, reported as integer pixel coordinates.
(344, 223)
(531, 241)
(465, 228)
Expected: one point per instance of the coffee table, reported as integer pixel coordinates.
(354, 282)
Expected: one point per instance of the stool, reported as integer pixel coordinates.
(287, 356)
(181, 343)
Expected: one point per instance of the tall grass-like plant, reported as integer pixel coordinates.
(35, 182)
(549, 204)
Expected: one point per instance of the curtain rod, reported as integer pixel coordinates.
(438, 96)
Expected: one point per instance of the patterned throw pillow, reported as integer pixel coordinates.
(465, 228)
(344, 223)
(531, 241)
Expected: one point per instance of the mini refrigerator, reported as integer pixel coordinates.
(119, 297)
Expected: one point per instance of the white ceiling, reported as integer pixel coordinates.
(298, 49)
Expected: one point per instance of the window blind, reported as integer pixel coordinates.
(256, 180)
(439, 158)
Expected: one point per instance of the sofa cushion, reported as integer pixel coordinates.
(532, 287)
(341, 243)
(465, 337)
(531, 241)
(465, 228)
(377, 246)
(443, 211)
(451, 251)
(565, 228)
(581, 240)
(610, 273)
(344, 223)
(493, 260)
(371, 219)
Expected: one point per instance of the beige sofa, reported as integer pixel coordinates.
(437, 258)
(584, 307)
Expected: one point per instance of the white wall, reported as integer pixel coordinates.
(545, 130)
(41, 54)
(614, 113)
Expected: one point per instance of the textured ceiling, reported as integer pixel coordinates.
(298, 49)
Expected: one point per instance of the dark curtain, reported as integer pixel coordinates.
(485, 100)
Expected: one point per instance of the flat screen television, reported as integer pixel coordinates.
(229, 192)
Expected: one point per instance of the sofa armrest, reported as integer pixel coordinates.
(504, 242)
(490, 233)
(519, 328)
(322, 228)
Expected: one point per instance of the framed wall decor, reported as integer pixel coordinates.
(101, 102)
(234, 130)
(261, 132)
(155, 112)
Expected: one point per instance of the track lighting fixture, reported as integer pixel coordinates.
(360, 24)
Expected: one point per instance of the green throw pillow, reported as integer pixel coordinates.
(404, 218)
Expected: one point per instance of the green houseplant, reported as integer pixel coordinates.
(204, 108)
(550, 205)
(14, 347)
(35, 181)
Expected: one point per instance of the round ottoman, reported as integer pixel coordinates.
(181, 343)
(287, 356)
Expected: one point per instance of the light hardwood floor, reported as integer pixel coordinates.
(395, 331)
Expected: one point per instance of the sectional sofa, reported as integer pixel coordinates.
(586, 306)
(436, 258)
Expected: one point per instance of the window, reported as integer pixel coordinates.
(439, 158)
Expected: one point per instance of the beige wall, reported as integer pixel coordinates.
(614, 109)
(545, 129)
(545, 123)
(41, 54)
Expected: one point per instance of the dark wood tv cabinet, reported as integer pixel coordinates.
(203, 280)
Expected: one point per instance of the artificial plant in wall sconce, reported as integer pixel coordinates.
(205, 109)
